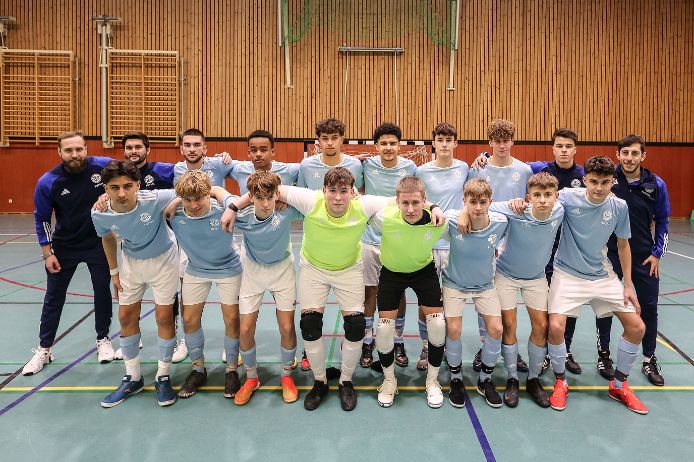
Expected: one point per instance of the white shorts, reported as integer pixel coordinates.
(371, 260)
(440, 259)
(568, 292)
(195, 289)
(279, 278)
(534, 292)
(160, 273)
(486, 302)
(347, 284)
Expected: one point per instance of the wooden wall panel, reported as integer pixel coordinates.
(602, 67)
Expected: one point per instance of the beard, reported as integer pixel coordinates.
(75, 166)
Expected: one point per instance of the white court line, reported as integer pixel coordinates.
(679, 255)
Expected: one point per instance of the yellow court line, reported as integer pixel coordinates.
(361, 387)
(665, 344)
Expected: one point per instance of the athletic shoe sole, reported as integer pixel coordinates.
(385, 404)
(557, 408)
(435, 405)
(495, 406)
(458, 406)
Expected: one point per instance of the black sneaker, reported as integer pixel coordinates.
(545, 365)
(511, 393)
(194, 380)
(488, 390)
(348, 395)
(571, 365)
(477, 362)
(521, 366)
(652, 370)
(315, 395)
(605, 366)
(367, 355)
(456, 393)
(231, 384)
(400, 355)
(534, 389)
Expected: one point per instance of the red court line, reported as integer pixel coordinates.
(678, 292)
(14, 239)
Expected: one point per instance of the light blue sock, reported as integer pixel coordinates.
(287, 360)
(195, 341)
(249, 362)
(231, 348)
(626, 356)
(423, 333)
(369, 330)
(399, 328)
(557, 357)
(454, 357)
(166, 349)
(482, 328)
(491, 350)
(130, 346)
(536, 357)
(510, 355)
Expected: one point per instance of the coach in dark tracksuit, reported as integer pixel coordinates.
(70, 189)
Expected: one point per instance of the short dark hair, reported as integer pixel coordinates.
(629, 140)
(136, 136)
(565, 133)
(444, 129)
(329, 126)
(68, 135)
(387, 128)
(338, 176)
(117, 168)
(601, 165)
(263, 183)
(262, 134)
(193, 132)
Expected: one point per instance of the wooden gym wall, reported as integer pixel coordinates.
(603, 67)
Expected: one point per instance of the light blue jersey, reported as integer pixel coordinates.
(288, 173)
(312, 171)
(210, 250)
(216, 170)
(444, 186)
(471, 261)
(381, 181)
(266, 241)
(143, 230)
(582, 248)
(507, 182)
(528, 243)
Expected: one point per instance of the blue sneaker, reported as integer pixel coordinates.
(165, 394)
(125, 389)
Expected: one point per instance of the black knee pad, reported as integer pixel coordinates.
(354, 326)
(311, 325)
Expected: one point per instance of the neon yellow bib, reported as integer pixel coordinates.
(406, 248)
(333, 243)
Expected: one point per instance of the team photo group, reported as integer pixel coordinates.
(555, 235)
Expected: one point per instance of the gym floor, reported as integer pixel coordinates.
(56, 413)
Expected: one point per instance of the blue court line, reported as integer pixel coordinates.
(62, 371)
(479, 431)
(20, 266)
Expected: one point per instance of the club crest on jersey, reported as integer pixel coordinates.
(149, 180)
(210, 174)
(515, 176)
(146, 218)
(576, 211)
(96, 178)
(275, 222)
(214, 224)
(606, 217)
(492, 239)
(457, 174)
(114, 227)
(575, 183)
(402, 172)
(460, 237)
(374, 172)
(428, 235)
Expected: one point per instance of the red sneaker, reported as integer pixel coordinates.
(626, 395)
(559, 394)
(246, 391)
(305, 365)
(289, 391)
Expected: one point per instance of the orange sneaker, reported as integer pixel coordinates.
(559, 394)
(246, 391)
(289, 391)
(626, 395)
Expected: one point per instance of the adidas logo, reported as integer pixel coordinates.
(65, 191)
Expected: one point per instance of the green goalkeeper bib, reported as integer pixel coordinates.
(406, 248)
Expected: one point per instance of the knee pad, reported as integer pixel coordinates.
(354, 326)
(436, 326)
(311, 325)
(384, 335)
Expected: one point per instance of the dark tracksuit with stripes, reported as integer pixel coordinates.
(71, 197)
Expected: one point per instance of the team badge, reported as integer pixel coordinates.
(401, 172)
(649, 190)
(575, 183)
(515, 176)
(275, 222)
(492, 239)
(606, 217)
(214, 224)
(149, 180)
(210, 174)
(96, 178)
(114, 227)
(488, 179)
(576, 211)
(374, 172)
(428, 235)
(457, 174)
(145, 218)
(460, 237)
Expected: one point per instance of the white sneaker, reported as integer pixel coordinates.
(239, 360)
(434, 394)
(41, 356)
(387, 392)
(104, 351)
(118, 355)
(180, 351)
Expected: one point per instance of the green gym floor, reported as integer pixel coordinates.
(56, 415)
